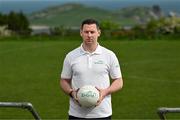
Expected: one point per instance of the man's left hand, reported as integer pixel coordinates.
(102, 94)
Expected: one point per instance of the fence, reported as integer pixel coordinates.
(23, 105)
(163, 111)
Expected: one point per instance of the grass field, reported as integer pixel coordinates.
(29, 72)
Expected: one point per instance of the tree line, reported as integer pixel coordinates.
(17, 23)
(155, 28)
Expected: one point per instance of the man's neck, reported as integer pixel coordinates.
(90, 48)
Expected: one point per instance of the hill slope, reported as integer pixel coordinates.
(72, 15)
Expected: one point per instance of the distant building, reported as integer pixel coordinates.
(127, 27)
(37, 29)
(4, 31)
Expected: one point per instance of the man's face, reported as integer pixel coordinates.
(90, 33)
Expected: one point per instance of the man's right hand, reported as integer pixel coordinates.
(74, 96)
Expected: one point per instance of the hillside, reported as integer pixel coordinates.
(72, 15)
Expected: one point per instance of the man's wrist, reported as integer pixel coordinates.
(70, 93)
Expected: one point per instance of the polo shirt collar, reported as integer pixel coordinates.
(97, 51)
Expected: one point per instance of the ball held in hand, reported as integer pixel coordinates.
(88, 96)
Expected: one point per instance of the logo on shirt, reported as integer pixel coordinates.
(117, 66)
(98, 62)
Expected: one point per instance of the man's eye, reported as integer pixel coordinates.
(87, 32)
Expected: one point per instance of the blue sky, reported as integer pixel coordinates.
(28, 6)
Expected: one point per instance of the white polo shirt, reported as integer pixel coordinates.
(85, 68)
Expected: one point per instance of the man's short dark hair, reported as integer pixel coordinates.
(90, 21)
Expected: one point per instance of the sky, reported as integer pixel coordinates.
(28, 6)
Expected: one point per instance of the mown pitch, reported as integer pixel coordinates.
(29, 72)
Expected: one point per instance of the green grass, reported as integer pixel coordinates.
(29, 72)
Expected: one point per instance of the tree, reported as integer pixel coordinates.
(3, 19)
(108, 26)
(157, 10)
(18, 23)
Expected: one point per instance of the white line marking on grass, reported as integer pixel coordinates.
(154, 79)
(24, 48)
(150, 61)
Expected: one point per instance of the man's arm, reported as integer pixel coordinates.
(65, 86)
(116, 85)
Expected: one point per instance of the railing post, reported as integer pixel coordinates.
(23, 105)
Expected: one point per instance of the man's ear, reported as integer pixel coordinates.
(99, 32)
(80, 32)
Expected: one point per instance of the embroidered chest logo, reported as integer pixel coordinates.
(117, 66)
(99, 62)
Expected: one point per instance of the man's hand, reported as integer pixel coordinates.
(115, 86)
(102, 94)
(74, 96)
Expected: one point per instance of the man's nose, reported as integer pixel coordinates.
(89, 34)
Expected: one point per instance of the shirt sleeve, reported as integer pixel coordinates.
(115, 71)
(66, 70)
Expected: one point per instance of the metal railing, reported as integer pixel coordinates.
(23, 105)
(164, 110)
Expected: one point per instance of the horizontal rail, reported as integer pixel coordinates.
(23, 105)
(164, 110)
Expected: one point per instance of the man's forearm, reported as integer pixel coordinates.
(116, 85)
(65, 85)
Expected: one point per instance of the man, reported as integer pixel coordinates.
(91, 64)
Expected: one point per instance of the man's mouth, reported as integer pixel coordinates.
(89, 40)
